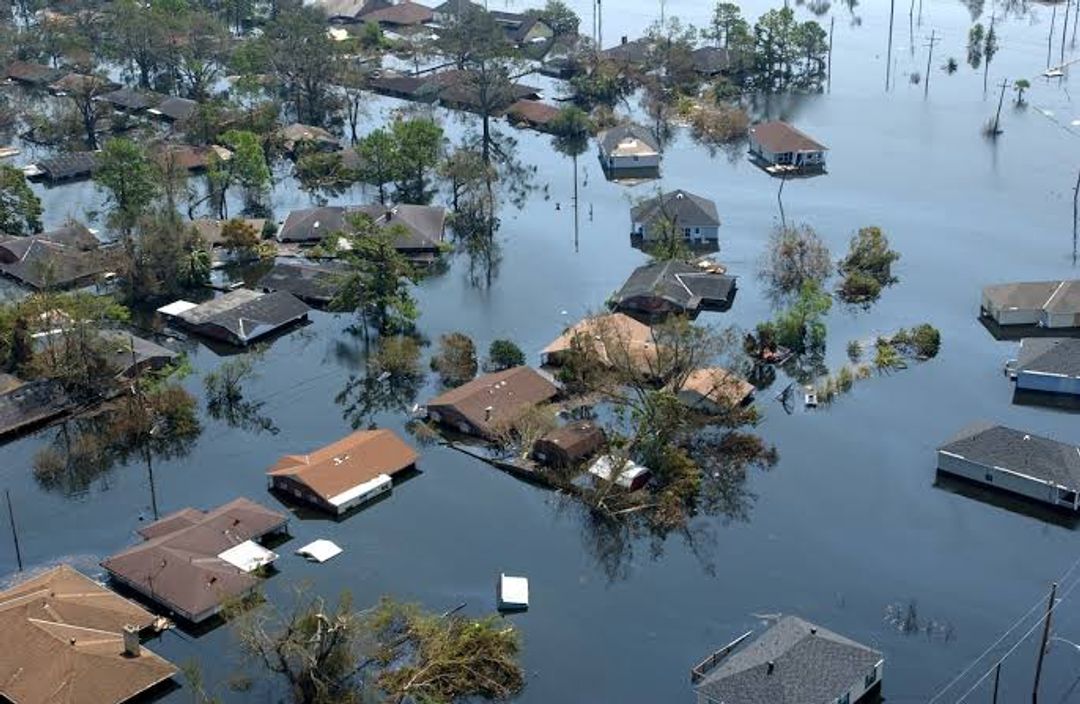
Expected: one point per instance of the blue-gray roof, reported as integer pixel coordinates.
(1049, 355)
(1017, 451)
(794, 662)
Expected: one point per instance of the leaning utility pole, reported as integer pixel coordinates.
(997, 680)
(1001, 101)
(929, 58)
(14, 531)
(1042, 644)
(888, 55)
(1076, 208)
(828, 70)
(1050, 37)
(1064, 30)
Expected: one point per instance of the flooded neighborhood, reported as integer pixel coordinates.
(638, 351)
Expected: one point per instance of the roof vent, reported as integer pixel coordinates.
(1027, 437)
(679, 195)
(770, 667)
(72, 641)
(132, 648)
(813, 630)
(487, 412)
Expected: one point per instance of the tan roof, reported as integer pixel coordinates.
(210, 230)
(718, 385)
(403, 14)
(61, 640)
(612, 333)
(507, 394)
(347, 463)
(780, 137)
(178, 565)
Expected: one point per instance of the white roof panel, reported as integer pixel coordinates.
(176, 308)
(320, 550)
(513, 592)
(248, 556)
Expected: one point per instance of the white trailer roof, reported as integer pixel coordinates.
(248, 556)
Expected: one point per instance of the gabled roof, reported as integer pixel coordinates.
(1050, 355)
(617, 331)
(312, 224)
(1035, 295)
(134, 100)
(680, 207)
(349, 9)
(1014, 450)
(34, 74)
(634, 51)
(678, 283)
(1066, 299)
(210, 229)
(718, 385)
(780, 137)
(292, 135)
(424, 224)
(61, 640)
(343, 465)
(175, 108)
(246, 315)
(533, 112)
(403, 14)
(38, 262)
(307, 281)
(32, 403)
(628, 139)
(710, 60)
(794, 662)
(455, 7)
(80, 82)
(178, 564)
(499, 397)
(70, 165)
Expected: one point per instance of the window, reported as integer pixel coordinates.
(990, 477)
(686, 231)
(870, 679)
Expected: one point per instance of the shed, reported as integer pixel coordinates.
(481, 405)
(793, 662)
(1048, 364)
(65, 638)
(624, 472)
(570, 444)
(345, 474)
(1017, 462)
(780, 144)
(180, 562)
(692, 216)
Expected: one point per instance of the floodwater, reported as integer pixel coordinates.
(848, 523)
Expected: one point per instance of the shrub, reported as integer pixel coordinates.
(456, 360)
(926, 339)
(854, 351)
(504, 354)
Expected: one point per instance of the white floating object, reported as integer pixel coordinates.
(513, 593)
(319, 550)
(811, 399)
(248, 556)
(1053, 73)
(176, 308)
(1075, 123)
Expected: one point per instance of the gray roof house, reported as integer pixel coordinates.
(664, 288)
(424, 225)
(316, 284)
(40, 261)
(239, 317)
(1048, 364)
(1038, 468)
(1048, 304)
(174, 109)
(793, 662)
(629, 147)
(690, 214)
(311, 225)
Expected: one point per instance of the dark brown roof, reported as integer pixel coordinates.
(35, 74)
(576, 439)
(507, 394)
(780, 137)
(61, 640)
(210, 230)
(80, 82)
(178, 565)
(533, 112)
(347, 463)
(424, 224)
(403, 14)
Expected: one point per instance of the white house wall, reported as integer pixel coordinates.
(634, 162)
(1008, 481)
(1061, 320)
(1029, 381)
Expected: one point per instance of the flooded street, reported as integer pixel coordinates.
(849, 522)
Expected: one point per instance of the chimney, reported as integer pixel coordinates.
(132, 649)
(624, 39)
(487, 413)
(813, 630)
(770, 667)
(389, 215)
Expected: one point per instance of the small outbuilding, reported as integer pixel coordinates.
(344, 474)
(780, 146)
(793, 662)
(1048, 364)
(479, 407)
(692, 216)
(570, 444)
(628, 147)
(1049, 304)
(1017, 462)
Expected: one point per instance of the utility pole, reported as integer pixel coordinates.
(599, 25)
(1064, 30)
(828, 70)
(1076, 208)
(14, 531)
(1050, 37)
(997, 680)
(1001, 101)
(888, 55)
(929, 59)
(1042, 644)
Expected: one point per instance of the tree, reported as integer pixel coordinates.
(200, 58)
(352, 83)
(167, 258)
(225, 395)
(376, 285)
(239, 238)
(20, 208)
(390, 383)
(867, 268)
(795, 256)
(556, 14)
(246, 168)
(727, 25)
(1020, 85)
(324, 174)
(572, 129)
(129, 179)
(84, 94)
(504, 354)
(419, 143)
(976, 40)
(378, 160)
(455, 361)
(800, 327)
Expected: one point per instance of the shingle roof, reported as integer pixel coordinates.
(312, 224)
(627, 136)
(38, 262)
(403, 14)
(307, 281)
(1066, 299)
(129, 99)
(508, 394)
(634, 51)
(35, 74)
(1050, 355)
(355, 459)
(424, 223)
(710, 60)
(178, 564)
(61, 640)
(616, 330)
(31, 403)
(809, 665)
(175, 108)
(70, 165)
(718, 385)
(246, 315)
(210, 230)
(533, 112)
(680, 207)
(1025, 294)
(678, 283)
(1007, 448)
(780, 137)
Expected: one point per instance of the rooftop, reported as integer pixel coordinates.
(245, 315)
(780, 137)
(682, 208)
(718, 385)
(683, 285)
(628, 139)
(499, 397)
(1016, 451)
(1024, 294)
(1050, 355)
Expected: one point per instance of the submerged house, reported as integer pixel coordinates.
(26, 405)
(131, 101)
(615, 338)
(666, 288)
(1048, 364)
(65, 638)
(65, 258)
(174, 109)
(778, 144)
(570, 444)
(192, 562)
(1048, 304)
(400, 15)
(422, 227)
(1011, 460)
(480, 406)
(715, 390)
(628, 147)
(522, 29)
(313, 283)
(239, 317)
(344, 474)
(693, 216)
(311, 225)
(793, 662)
(532, 114)
(31, 74)
(292, 137)
(63, 167)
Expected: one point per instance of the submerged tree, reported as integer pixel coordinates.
(20, 208)
(795, 256)
(129, 179)
(378, 277)
(225, 395)
(867, 268)
(456, 361)
(390, 383)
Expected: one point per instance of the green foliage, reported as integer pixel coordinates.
(571, 130)
(167, 258)
(867, 266)
(854, 351)
(504, 354)
(130, 180)
(378, 160)
(455, 361)
(800, 327)
(796, 255)
(556, 14)
(324, 174)
(607, 83)
(20, 208)
(418, 146)
(376, 286)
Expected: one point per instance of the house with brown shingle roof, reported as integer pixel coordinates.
(403, 14)
(780, 144)
(346, 473)
(715, 390)
(65, 638)
(480, 406)
(192, 562)
(616, 339)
